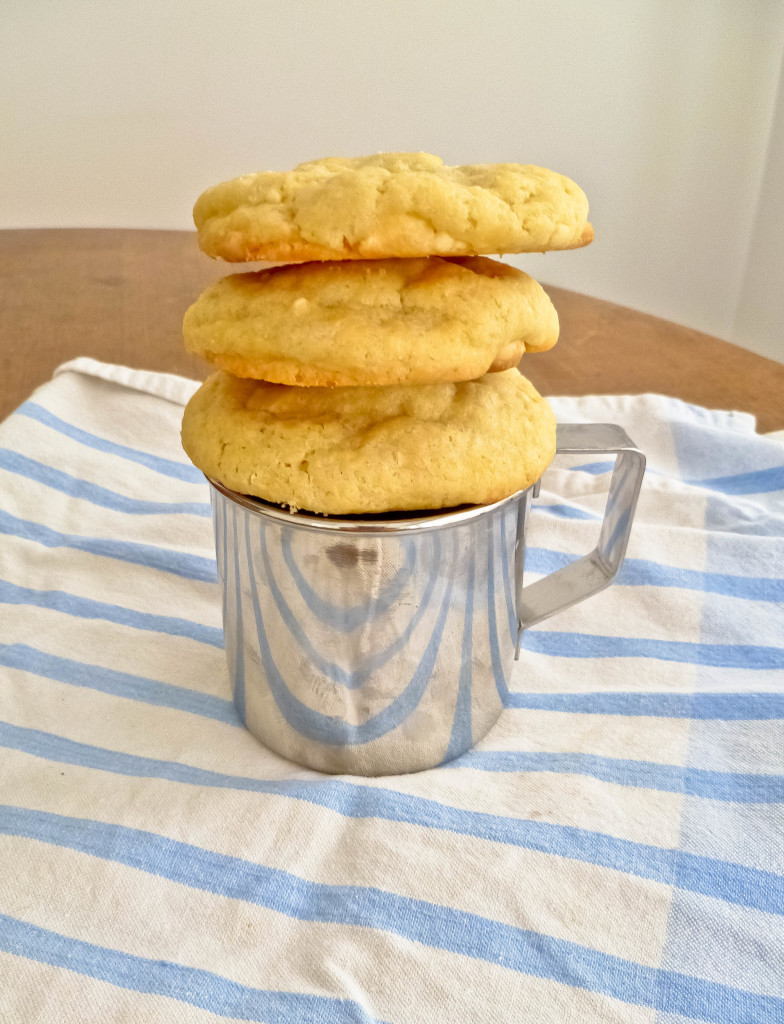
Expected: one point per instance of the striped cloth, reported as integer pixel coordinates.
(612, 852)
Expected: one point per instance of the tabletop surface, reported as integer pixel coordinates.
(119, 296)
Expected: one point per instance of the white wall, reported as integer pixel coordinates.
(759, 319)
(119, 114)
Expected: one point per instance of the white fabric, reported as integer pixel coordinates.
(611, 852)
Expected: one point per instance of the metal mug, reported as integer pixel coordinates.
(383, 645)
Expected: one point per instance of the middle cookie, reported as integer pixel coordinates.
(367, 322)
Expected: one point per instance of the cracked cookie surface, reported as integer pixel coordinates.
(371, 449)
(390, 205)
(412, 321)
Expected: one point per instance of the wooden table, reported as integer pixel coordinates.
(120, 295)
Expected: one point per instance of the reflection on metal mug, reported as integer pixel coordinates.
(382, 645)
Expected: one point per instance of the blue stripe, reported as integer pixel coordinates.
(190, 985)
(430, 924)
(736, 787)
(723, 707)
(565, 511)
(190, 567)
(760, 481)
(118, 684)
(641, 572)
(586, 645)
(545, 560)
(733, 883)
(638, 572)
(75, 487)
(595, 468)
(697, 706)
(635, 572)
(86, 608)
(166, 467)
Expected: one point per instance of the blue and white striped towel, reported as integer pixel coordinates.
(612, 852)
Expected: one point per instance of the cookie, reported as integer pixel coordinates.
(414, 321)
(371, 449)
(390, 205)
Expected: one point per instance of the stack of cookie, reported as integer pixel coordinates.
(374, 372)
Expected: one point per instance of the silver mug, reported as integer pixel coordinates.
(383, 645)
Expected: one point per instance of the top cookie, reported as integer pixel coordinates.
(390, 205)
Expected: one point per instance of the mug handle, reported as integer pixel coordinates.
(593, 572)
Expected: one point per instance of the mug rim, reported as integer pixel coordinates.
(381, 523)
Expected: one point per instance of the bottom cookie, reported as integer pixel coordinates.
(360, 450)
